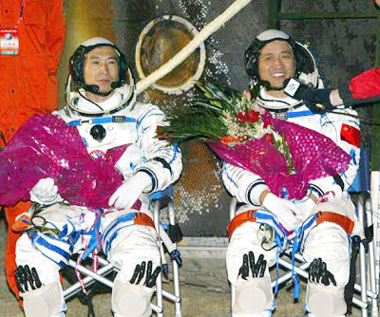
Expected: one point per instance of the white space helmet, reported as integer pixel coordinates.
(76, 86)
(306, 66)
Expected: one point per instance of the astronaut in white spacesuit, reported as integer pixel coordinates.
(101, 103)
(322, 228)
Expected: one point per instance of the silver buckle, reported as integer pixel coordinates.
(281, 115)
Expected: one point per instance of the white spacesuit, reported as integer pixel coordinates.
(322, 229)
(101, 104)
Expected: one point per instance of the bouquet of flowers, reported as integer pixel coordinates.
(241, 132)
(46, 147)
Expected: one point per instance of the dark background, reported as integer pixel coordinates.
(342, 34)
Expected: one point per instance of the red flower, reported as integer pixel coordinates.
(268, 137)
(252, 116)
(267, 122)
(160, 132)
(228, 139)
(241, 117)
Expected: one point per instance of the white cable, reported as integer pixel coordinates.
(177, 59)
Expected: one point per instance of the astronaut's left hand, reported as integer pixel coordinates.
(318, 273)
(150, 278)
(306, 205)
(127, 194)
(257, 269)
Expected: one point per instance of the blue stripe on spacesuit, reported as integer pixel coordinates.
(138, 123)
(353, 162)
(62, 255)
(296, 283)
(106, 240)
(94, 242)
(65, 229)
(39, 239)
(176, 150)
(102, 120)
(353, 157)
(265, 216)
(298, 114)
(354, 123)
(305, 229)
(228, 176)
(85, 142)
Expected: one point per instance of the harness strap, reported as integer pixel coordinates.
(239, 220)
(102, 120)
(298, 114)
(143, 220)
(326, 216)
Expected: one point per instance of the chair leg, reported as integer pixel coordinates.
(163, 238)
(177, 292)
(159, 296)
(372, 260)
(159, 299)
(232, 295)
(363, 277)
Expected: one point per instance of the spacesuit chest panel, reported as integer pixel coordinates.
(313, 122)
(112, 135)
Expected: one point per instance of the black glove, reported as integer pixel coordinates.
(318, 273)
(24, 276)
(257, 269)
(176, 255)
(317, 100)
(150, 279)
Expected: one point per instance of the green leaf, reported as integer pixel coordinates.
(2, 137)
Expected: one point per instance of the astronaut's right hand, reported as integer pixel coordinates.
(317, 100)
(286, 212)
(27, 279)
(45, 191)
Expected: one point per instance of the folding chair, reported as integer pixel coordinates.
(365, 293)
(158, 200)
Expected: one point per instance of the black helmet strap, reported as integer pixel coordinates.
(252, 55)
(76, 68)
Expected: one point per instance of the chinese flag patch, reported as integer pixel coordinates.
(350, 134)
